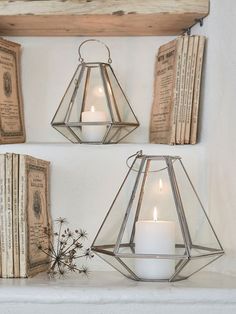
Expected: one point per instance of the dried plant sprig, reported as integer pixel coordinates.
(67, 249)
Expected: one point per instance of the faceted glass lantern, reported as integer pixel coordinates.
(156, 228)
(94, 108)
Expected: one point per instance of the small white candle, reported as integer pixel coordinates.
(93, 133)
(154, 237)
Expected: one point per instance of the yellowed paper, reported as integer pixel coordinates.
(37, 173)
(11, 112)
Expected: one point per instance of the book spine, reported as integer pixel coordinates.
(196, 95)
(16, 216)
(9, 243)
(186, 88)
(191, 90)
(3, 216)
(9, 247)
(176, 91)
(22, 216)
(182, 89)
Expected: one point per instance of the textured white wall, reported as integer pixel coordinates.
(218, 127)
(85, 178)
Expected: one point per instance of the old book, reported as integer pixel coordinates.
(165, 91)
(176, 92)
(182, 89)
(190, 91)
(196, 94)
(15, 213)
(8, 209)
(12, 128)
(186, 88)
(3, 215)
(34, 216)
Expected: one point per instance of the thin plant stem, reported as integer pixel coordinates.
(59, 235)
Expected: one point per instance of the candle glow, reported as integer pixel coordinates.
(155, 214)
(160, 185)
(93, 133)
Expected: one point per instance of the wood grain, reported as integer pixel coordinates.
(99, 17)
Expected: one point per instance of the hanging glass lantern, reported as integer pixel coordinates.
(94, 108)
(156, 228)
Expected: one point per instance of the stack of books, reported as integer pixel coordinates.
(24, 215)
(175, 109)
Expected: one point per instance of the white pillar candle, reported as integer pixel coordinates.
(154, 237)
(93, 133)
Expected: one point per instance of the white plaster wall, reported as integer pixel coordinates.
(218, 126)
(85, 178)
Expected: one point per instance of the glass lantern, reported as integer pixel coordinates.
(156, 228)
(94, 109)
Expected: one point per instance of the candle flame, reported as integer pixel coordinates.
(155, 214)
(100, 90)
(92, 109)
(160, 185)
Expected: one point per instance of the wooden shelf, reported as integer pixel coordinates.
(99, 17)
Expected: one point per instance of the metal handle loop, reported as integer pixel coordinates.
(139, 153)
(94, 40)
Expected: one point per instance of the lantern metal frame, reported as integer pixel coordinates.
(112, 123)
(113, 249)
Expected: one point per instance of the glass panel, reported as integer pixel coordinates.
(76, 102)
(94, 94)
(153, 226)
(200, 230)
(91, 134)
(111, 260)
(67, 133)
(195, 265)
(113, 222)
(117, 133)
(150, 268)
(67, 100)
(120, 103)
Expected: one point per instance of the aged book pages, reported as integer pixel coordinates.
(11, 108)
(8, 209)
(165, 70)
(15, 212)
(34, 215)
(3, 215)
(182, 89)
(196, 94)
(190, 91)
(186, 87)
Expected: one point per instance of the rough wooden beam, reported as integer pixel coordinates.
(99, 17)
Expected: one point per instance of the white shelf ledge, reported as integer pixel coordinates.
(110, 292)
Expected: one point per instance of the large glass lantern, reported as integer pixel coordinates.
(94, 108)
(156, 228)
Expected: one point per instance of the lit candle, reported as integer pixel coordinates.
(93, 133)
(155, 237)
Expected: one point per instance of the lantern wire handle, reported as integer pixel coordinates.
(94, 40)
(140, 153)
